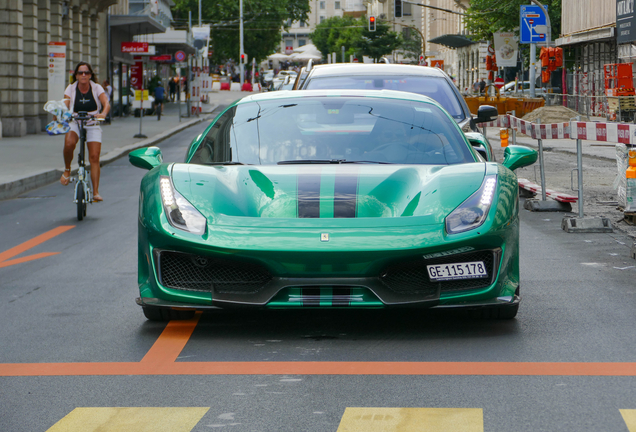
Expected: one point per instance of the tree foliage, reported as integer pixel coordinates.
(334, 33)
(263, 20)
(380, 42)
(411, 47)
(485, 17)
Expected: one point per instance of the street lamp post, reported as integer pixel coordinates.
(241, 42)
(533, 48)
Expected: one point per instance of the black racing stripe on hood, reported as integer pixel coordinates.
(309, 195)
(346, 192)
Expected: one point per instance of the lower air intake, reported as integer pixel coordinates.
(202, 273)
(411, 277)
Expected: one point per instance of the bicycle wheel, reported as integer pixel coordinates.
(81, 201)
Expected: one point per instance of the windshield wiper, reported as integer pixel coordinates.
(329, 161)
(224, 163)
(364, 162)
(311, 161)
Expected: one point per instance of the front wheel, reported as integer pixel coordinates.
(81, 201)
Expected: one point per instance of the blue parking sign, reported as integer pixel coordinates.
(533, 24)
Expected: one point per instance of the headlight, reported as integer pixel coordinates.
(181, 214)
(472, 212)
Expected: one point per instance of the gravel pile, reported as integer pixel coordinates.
(553, 114)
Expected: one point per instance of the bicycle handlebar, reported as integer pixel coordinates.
(84, 116)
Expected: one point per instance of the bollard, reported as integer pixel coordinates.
(541, 166)
(503, 136)
(579, 167)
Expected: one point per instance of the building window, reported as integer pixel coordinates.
(406, 9)
(322, 5)
(337, 5)
(406, 33)
(322, 18)
(302, 42)
(302, 23)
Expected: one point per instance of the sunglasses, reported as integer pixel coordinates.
(84, 73)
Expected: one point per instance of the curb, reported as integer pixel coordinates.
(34, 181)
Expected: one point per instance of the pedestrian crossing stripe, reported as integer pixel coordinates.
(412, 420)
(629, 416)
(154, 419)
(368, 419)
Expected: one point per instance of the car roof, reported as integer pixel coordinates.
(374, 69)
(381, 94)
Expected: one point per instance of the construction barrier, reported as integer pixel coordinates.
(504, 104)
(623, 134)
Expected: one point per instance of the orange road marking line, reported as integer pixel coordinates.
(171, 341)
(17, 250)
(319, 368)
(26, 259)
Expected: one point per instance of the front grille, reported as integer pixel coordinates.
(202, 273)
(411, 277)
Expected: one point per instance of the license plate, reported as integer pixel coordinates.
(465, 270)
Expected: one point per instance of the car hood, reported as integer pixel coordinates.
(327, 191)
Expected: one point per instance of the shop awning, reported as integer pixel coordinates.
(452, 40)
(137, 24)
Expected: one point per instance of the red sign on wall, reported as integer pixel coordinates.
(161, 58)
(134, 47)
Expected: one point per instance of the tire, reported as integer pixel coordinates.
(81, 201)
(156, 313)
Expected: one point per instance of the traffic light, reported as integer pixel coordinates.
(398, 8)
(242, 58)
(371, 23)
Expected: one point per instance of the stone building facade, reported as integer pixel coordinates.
(26, 28)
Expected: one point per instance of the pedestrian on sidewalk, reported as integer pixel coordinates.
(172, 87)
(84, 94)
(109, 92)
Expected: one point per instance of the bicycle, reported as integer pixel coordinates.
(83, 191)
(158, 107)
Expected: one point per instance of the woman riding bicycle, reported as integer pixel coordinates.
(85, 95)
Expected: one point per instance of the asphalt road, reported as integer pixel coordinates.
(76, 350)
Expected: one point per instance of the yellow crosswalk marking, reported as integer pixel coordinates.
(629, 416)
(130, 419)
(412, 420)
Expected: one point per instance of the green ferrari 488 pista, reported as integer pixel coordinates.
(330, 199)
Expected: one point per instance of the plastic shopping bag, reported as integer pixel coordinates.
(63, 115)
(57, 128)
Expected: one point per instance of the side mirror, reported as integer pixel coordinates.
(480, 144)
(146, 158)
(518, 157)
(486, 113)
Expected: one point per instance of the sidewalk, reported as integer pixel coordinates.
(33, 161)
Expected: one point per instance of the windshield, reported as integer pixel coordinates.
(436, 88)
(333, 130)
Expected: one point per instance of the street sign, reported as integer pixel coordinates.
(437, 64)
(57, 70)
(179, 56)
(141, 95)
(533, 24)
(625, 22)
(499, 82)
